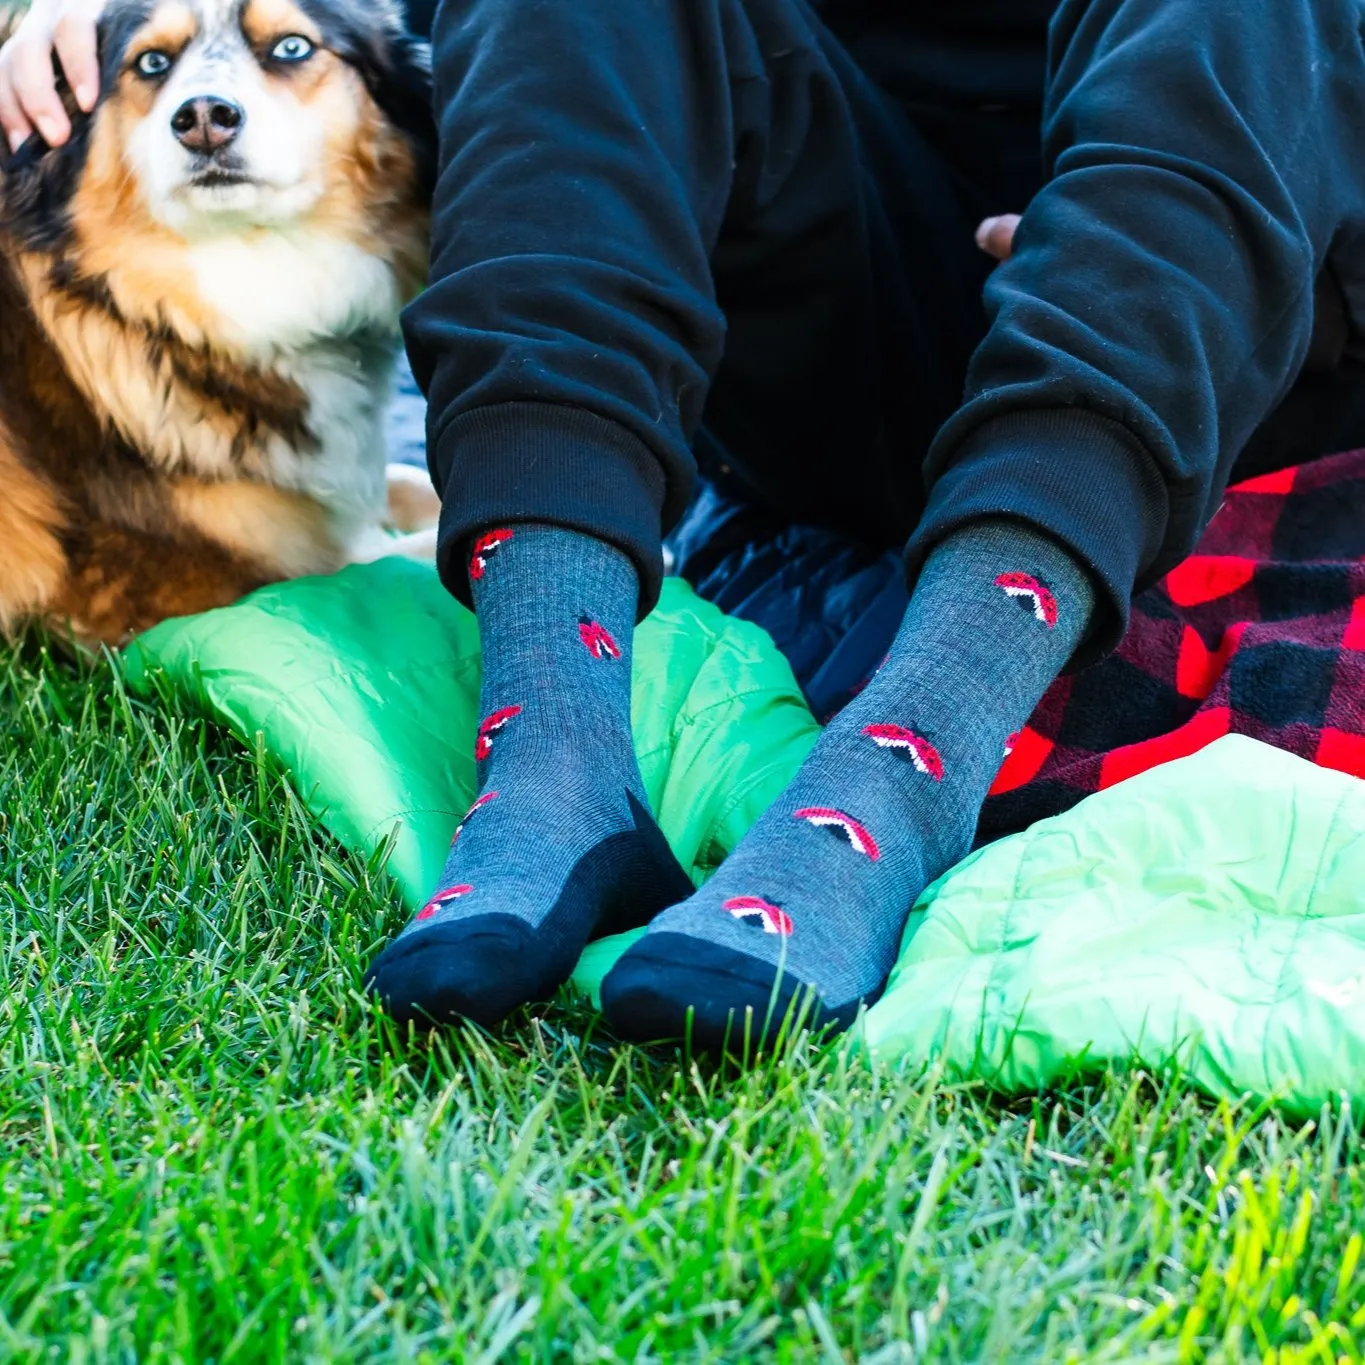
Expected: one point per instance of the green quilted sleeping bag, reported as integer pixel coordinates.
(1211, 910)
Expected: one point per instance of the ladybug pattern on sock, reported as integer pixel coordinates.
(844, 828)
(906, 744)
(1032, 594)
(478, 805)
(446, 897)
(759, 914)
(483, 745)
(597, 639)
(484, 548)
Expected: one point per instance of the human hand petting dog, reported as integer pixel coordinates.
(28, 83)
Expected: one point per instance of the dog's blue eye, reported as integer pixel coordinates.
(153, 64)
(294, 48)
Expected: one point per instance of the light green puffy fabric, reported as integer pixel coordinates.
(1212, 909)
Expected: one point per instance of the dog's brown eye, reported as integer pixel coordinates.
(294, 48)
(153, 65)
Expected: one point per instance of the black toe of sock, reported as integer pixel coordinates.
(480, 968)
(647, 995)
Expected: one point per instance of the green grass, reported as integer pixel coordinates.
(211, 1150)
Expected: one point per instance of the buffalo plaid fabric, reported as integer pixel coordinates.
(1260, 632)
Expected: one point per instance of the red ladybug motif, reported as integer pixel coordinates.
(908, 745)
(446, 897)
(759, 914)
(597, 638)
(483, 745)
(479, 804)
(1032, 594)
(484, 548)
(843, 826)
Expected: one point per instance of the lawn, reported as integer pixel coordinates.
(211, 1149)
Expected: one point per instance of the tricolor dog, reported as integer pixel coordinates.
(199, 296)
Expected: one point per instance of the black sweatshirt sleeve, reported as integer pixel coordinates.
(570, 327)
(1159, 302)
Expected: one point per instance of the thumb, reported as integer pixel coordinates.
(995, 236)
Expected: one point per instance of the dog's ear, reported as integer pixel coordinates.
(404, 94)
(372, 35)
(38, 181)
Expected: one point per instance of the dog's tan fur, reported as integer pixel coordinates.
(141, 433)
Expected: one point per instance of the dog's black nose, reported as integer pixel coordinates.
(207, 123)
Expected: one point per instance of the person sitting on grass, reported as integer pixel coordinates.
(758, 217)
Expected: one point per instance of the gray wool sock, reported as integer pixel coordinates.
(818, 893)
(560, 843)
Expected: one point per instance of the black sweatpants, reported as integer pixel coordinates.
(668, 213)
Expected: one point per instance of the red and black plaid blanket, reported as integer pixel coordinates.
(1261, 632)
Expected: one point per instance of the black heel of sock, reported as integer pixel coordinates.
(643, 874)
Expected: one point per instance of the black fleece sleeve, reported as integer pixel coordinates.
(570, 326)
(1201, 156)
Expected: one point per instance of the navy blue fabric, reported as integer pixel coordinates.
(831, 604)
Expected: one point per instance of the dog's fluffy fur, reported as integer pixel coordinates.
(196, 342)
